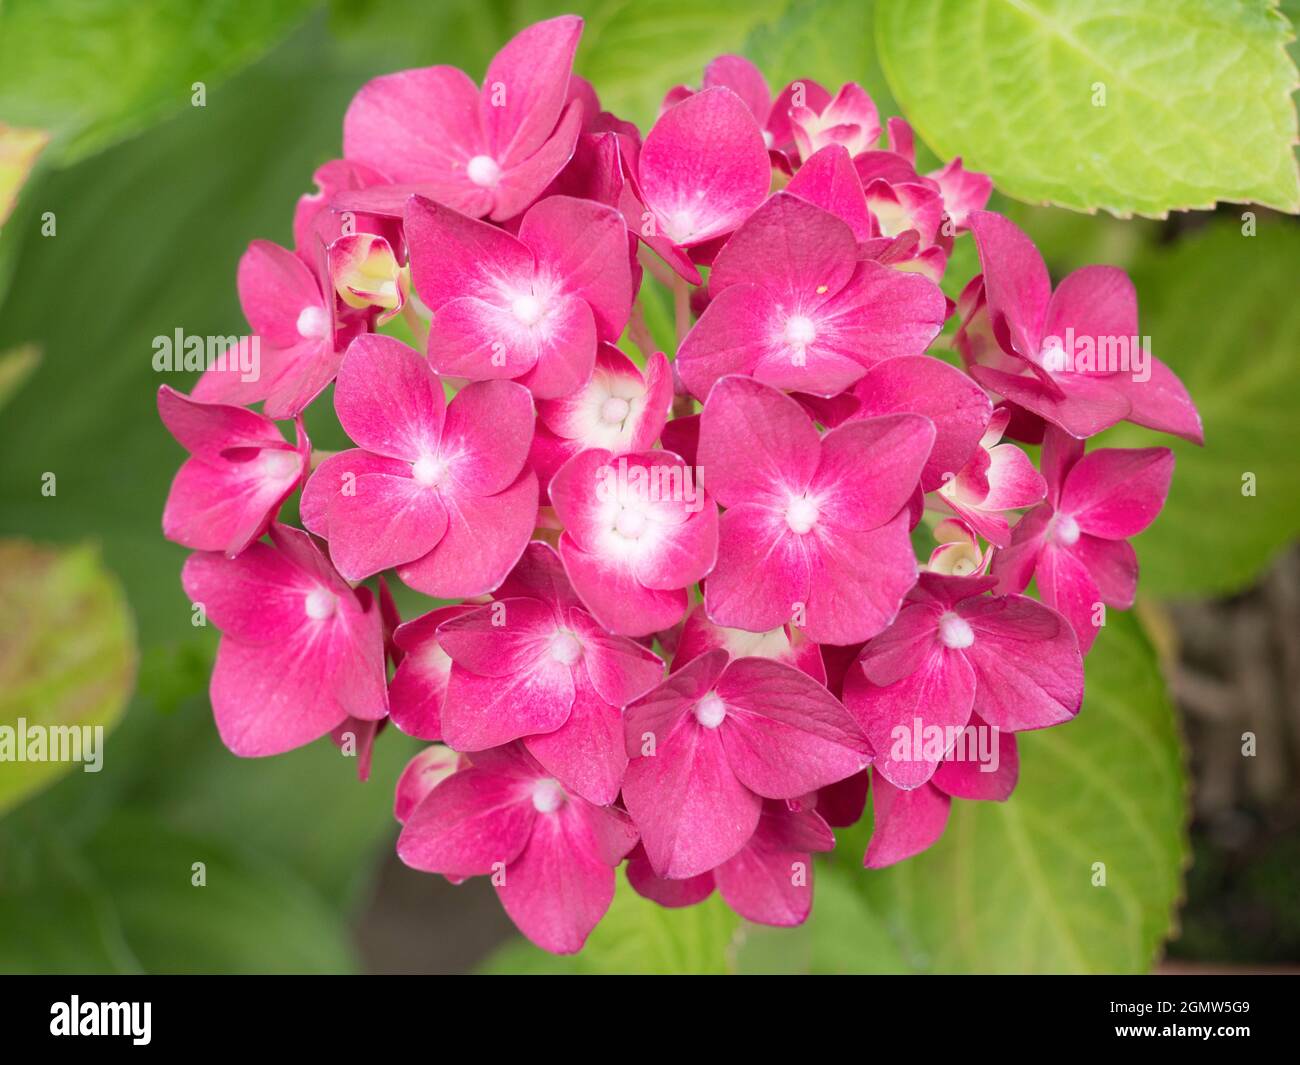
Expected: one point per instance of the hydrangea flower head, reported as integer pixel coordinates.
(623, 397)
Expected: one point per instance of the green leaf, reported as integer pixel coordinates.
(842, 936)
(127, 901)
(67, 659)
(1010, 886)
(15, 367)
(1197, 104)
(91, 72)
(635, 52)
(638, 936)
(1220, 309)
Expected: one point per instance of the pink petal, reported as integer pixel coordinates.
(257, 598)
(558, 889)
(975, 777)
(473, 823)
(1015, 279)
(869, 469)
(615, 597)
(704, 167)
(785, 734)
(455, 256)
(586, 753)
(744, 79)
(208, 429)
(386, 521)
(500, 639)
(957, 406)
(619, 669)
(388, 400)
(828, 180)
(762, 573)
(274, 288)
(1162, 403)
(582, 246)
(1028, 670)
(485, 440)
(796, 251)
(1086, 407)
(905, 822)
(417, 690)
(770, 880)
(911, 721)
(1115, 493)
(271, 698)
(1013, 481)
(1014, 565)
(1098, 302)
(781, 444)
(224, 505)
(566, 350)
(526, 85)
(415, 125)
(1113, 566)
(857, 580)
(422, 774)
(692, 810)
(484, 539)
(673, 894)
(526, 180)
(482, 712)
(338, 473)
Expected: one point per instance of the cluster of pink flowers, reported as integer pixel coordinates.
(688, 626)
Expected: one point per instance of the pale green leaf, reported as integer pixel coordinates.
(1196, 106)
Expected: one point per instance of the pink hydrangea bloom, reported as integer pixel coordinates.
(790, 303)
(239, 472)
(483, 152)
(534, 664)
(1075, 545)
(550, 853)
(700, 173)
(952, 651)
(532, 306)
(299, 340)
(813, 527)
(850, 119)
(544, 471)
(438, 490)
(997, 478)
(300, 650)
(714, 740)
(621, 409)
(1073, 356)
(639, 529)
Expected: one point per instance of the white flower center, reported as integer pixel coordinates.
(278, 465)
(710, 710)
(630, 523)
(320, 604)
(955, 631)
(615, 410)
(528, 309)
(802, 515)
(428, 470)
(313, 322)
(548, 796)
(484, 171)
(1065, 530)
(565, 647)
(963, 567)
(800, 331)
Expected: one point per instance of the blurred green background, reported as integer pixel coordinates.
(131, 227)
